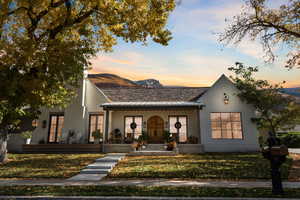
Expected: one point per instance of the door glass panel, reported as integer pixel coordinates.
(138, 130)
(172, 122)
(56, 125)
(96, 123)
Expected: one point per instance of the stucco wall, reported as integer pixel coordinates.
(214, 102)
(193, 130)
(76, 114)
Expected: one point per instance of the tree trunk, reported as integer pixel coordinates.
(3, 150)
(3, 145)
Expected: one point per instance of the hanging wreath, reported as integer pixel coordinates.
(177, 125)
(133, 125)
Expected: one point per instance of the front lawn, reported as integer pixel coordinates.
(161, 191)
(206, 166)
(29, 166)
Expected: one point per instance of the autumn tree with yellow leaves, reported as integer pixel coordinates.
(45, 45)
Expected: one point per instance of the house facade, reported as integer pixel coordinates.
(204, 119)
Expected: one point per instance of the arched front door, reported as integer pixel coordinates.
(155, 130)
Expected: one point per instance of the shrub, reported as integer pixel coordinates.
(290, 140)
(193, 140)
(97, 134)
(27, 134)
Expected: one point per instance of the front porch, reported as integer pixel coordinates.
(152, 122)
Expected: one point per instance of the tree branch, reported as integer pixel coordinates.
(53, 32)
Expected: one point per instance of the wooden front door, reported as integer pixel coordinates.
(155, 130)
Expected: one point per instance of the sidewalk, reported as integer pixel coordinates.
(150, 182)
(133, 198)
(296, 151)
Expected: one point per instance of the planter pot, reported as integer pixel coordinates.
(28, 140)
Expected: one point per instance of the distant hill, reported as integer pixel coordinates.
(111, 80)
(292, 91)
(149, 83)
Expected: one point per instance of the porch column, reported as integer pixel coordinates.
(199, 126)
(106, 126)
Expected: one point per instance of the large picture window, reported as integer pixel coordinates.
(178, 125)
(55, 127)
(95, 123)
(133, 126)
(226, 125)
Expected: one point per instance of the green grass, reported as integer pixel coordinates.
(290, 133)
(143, 191)
(29, 166)
(231, 166)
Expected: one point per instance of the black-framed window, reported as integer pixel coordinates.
(133, 126)
(178, 125)
(56, 124)
(96, 122)
(226, 125)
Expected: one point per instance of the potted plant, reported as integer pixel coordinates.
(70, 136)
(97, 136)
(27, 135)
(171, 145)
(135, 145)
(143, 139)
(192, 140)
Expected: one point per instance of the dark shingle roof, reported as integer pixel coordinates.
(153, 94)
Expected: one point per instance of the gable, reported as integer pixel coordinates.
(214, 96)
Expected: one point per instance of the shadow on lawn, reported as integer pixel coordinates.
(221, 166)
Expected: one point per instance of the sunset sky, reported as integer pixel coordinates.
(194, 57)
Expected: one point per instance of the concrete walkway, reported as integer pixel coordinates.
(150, 182)
(96, 171)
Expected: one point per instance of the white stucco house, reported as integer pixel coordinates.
(205, 119)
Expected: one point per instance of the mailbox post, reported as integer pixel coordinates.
(276, 154)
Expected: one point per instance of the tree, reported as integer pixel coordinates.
(270, 26)
(45, 45)
(275, 110)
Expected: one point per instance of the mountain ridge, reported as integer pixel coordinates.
(112, 80)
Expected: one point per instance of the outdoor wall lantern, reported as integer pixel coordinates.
(44, 124)
(226, 98)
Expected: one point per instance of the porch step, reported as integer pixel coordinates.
(152, 153)
(101, 165)
(108, 159)
(155, 147)
(95, 171)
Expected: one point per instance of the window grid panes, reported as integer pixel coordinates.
(96, 123)
(129, 132)
(55, 129)
(182, 131)
(226, 125)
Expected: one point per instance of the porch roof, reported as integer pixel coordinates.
(154, 104)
